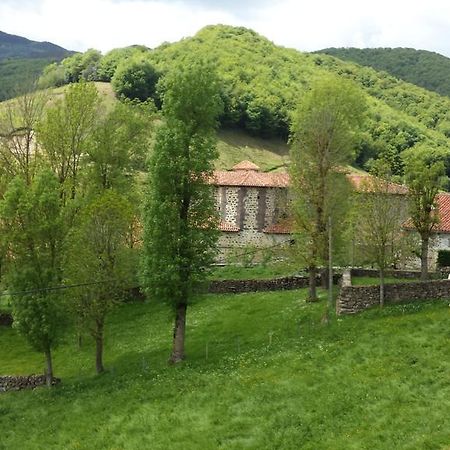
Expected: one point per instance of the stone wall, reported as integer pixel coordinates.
(353, 299)
(17, 383)
(232, 244)
(275, 284)
(413, 274)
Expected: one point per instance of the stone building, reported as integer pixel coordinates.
(252, 206)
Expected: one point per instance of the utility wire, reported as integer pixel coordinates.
(92, 283)
(55, 288)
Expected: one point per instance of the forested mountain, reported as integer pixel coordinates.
(12, 46)
(423, 68)
(263, 83)
(22, 62)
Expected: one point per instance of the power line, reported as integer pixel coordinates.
(250, 252)
(92, 283)
(56, 288)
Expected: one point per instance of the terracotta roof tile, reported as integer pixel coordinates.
(362, 183)
(443, 207)
(248, 174)
(284, 226)
(226, 226)
(246, 165)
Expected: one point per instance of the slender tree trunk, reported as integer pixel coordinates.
(424, 258)
(49, 368)
(99, 347)
(179, 334)
(324, 277)
(381, 288)
(312, 284)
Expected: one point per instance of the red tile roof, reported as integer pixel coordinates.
(443, 206)
(362, 183)
(285, 226)
(248, 174)
(226, 226)
(246, 165)
(443, 209)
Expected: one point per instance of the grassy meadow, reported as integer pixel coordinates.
(262, 373)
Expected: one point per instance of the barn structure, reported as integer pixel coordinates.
(253, 207)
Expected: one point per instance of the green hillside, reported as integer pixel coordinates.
(16, 75)
(263, 83)
(22, 62)
(12, 46)
(429, 70)
(262, 373)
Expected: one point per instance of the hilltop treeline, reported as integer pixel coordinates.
(429, 70)
(262, 84)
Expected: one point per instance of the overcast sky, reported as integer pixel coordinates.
(305, 25)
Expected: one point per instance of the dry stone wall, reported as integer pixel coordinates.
(17, 383)
(359, 272)
(353, 299)
(275, 284)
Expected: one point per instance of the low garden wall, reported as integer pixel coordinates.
(413, 274)
(353, 299)
(275, 284)
(17, 383)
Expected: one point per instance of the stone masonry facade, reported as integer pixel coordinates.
(252, 206)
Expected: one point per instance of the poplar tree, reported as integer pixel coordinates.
(65, 131)
(322, 144)
(382, 210)
(32, 221)
(180, 226)
(424, 176)
(99, 258)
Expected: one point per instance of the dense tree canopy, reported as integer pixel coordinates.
(323, 138)
(262, 85)
(426, 69)
(179, 223)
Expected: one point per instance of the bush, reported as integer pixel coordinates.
(135, 79)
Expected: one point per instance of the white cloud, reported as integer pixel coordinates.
(105, 24)
(306, 25)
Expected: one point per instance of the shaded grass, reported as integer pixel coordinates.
(257, 272)
(274, 377)
(235, 146)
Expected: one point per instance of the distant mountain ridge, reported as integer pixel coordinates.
(18, 47)
(22, 62)
(423, 68)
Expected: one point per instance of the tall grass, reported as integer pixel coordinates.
(262, 373)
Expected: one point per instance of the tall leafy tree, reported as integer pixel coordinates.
(19, 118)
(424, 176)
(322, 144)
(381, 212)
(99, 258)
(117, 147)
(64, 134)
(32, 220)
(135, 78)
(179, 224)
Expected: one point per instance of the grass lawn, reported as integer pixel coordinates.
(370, 281)
(257, 272)
(261, 373)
